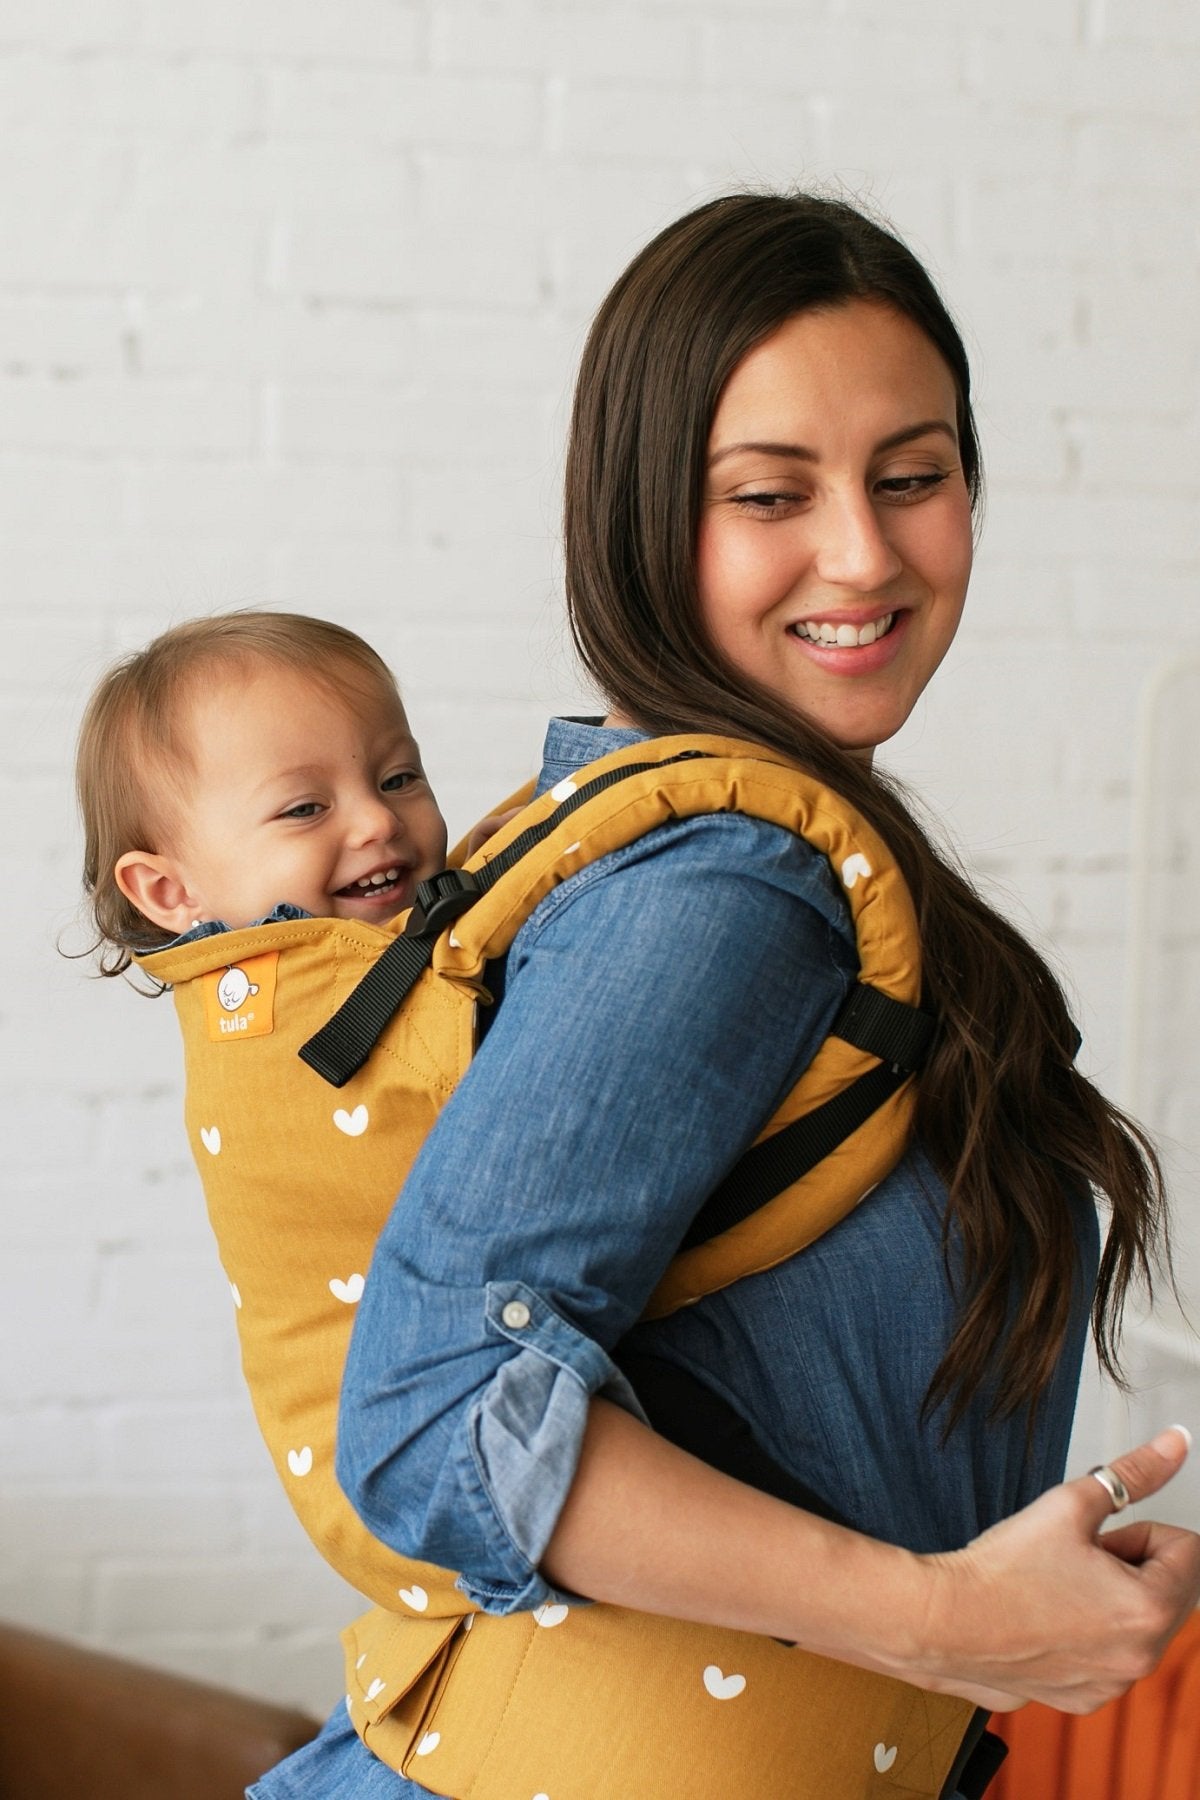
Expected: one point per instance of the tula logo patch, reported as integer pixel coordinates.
(239, 1002)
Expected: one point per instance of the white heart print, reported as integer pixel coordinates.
(210, 1137)
(885, 1757)
(415, 1596)
(723, 1687)
(352, 1123)
(300, 1461)
(350, 1291)
(376, 1688)
(853, 867)
(550, 1615)
(429, 1743)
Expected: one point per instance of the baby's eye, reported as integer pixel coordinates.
(393, 784)
(306, 809)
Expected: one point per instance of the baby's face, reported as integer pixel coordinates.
(299, 794)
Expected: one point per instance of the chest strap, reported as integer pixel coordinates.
(341, 1047)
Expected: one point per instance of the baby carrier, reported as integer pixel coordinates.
(319, 1053)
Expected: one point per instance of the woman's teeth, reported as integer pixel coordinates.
(846, 637)
(380, 880)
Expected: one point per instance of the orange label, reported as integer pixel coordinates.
(239, 1001)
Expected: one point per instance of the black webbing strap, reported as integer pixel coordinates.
(342, 1046)
(978, 1761)
(895, 1033)
(870, 1020)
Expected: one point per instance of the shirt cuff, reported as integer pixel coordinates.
(526, 1432)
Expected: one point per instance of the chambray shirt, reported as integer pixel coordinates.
(651, 1014)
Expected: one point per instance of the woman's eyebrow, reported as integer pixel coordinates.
(801, 453)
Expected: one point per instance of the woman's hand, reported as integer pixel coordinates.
(1043, 1607)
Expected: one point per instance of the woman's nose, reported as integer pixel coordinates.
(853, 550)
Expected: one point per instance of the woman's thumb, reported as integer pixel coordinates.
(1137, 1474)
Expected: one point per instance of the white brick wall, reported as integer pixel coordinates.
(290, 297)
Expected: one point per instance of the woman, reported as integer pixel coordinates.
(770, 487)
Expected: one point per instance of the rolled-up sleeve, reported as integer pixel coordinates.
(656, 1008)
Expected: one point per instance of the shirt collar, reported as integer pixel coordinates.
(570, 743)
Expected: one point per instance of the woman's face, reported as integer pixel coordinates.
(835, 535)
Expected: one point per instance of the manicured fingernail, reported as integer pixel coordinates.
(1162, 1443)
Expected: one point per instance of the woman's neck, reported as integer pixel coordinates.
(619, 721)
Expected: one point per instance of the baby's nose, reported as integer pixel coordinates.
(373, 821)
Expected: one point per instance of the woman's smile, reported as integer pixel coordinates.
(843, 632)
(835, 540)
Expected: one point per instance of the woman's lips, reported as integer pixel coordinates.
(853, 659)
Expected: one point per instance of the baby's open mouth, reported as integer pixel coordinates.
(379, 886)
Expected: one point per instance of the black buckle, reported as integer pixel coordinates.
(439, 902)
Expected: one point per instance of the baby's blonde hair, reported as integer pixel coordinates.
(132, 740)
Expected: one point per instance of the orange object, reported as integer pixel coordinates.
(1145, 1746)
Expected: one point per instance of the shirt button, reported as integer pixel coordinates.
(516, 1315)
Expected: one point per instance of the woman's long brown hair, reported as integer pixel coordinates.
(1003, 1115)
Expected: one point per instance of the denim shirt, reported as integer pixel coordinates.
(652, 1013)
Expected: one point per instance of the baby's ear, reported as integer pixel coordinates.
(156, 887)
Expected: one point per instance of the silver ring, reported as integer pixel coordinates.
(1113, 1486)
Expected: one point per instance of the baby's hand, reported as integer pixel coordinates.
(486, 828)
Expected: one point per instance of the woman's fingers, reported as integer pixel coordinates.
(1130, 1543)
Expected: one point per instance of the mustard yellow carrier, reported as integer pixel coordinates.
(569, 1702)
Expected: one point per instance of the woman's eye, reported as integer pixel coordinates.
(910, 487)
(766, 503)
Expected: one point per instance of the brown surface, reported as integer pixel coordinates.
(76, 1723)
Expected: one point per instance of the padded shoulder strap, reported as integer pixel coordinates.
(847, 1121)
(608, 804)
(341, 1047)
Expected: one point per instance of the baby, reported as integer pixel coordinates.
(256, 818)
(244, 762)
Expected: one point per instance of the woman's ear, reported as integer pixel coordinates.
(155, 885)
